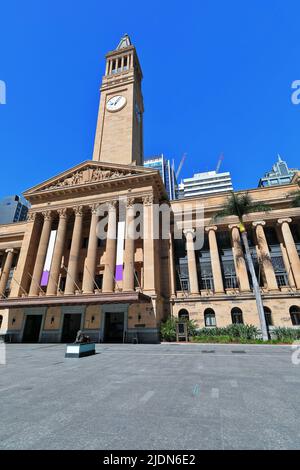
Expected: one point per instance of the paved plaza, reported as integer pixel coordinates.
(167, 396)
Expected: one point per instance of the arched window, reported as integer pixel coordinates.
(295, 315)
(183, 314)
(237, 316)
(1, 319)
(209, 317)
(268, 316)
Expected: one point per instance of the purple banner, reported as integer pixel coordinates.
(119, 273)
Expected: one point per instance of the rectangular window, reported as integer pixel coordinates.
(185, 285)
(99, 280)
(62, 283)
(210, 320)
(85, 242)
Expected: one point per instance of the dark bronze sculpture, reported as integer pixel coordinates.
(82, 338)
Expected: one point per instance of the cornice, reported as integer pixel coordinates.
(115, 297)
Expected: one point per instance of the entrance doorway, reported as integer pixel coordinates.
(114, 327)
(71, 325)
(32, 328)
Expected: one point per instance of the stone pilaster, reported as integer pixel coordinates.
(110, 250)
(41, 254)
(21, 280)
(264, 255)
(192, 264)
(6, 270)
(172, 267)
(285, 257)
(88, 284)
(148, 245)
(128, 275)
(215, 259)
(239, 259)
(57, 253)
(291, 249)
(72, 269)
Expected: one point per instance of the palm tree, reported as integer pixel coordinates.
(296, 199)
(240, 205)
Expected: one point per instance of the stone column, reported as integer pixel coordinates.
(57, 253)
(128, 278)
(239, 259)
(215, 259)
(88, 284)
(74, 252)
(265, 255)
(6, 270)
(291, 249)
(41, 254)
(148, 245)
(110, 250)
(192, 264)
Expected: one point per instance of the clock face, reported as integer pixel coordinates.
(116, 103)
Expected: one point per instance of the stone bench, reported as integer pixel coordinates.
(80, 350)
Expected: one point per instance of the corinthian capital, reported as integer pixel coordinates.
(130, 202)
(78, 210)
(148, 199)
(94, 207)
(62, 213)
(47, 215)
(112, 204)
(31, 216)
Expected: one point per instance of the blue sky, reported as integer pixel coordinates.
(217, 78)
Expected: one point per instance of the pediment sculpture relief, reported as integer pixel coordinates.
(89, 175)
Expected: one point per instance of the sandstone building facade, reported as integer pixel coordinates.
(59, 276)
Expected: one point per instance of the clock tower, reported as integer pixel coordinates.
(119, 133)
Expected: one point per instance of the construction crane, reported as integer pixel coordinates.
(181, 165)
(219, 162)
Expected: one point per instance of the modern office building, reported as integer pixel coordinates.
(204, 184)
(58, 275)
(166, 170)
(13, 209)
(280, 174)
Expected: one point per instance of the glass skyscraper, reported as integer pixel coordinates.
(280, 174)
(166, 171)
(13, 209)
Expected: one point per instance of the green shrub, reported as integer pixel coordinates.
(243, 332)
(286, 334)
(168, 328)
(228, 334)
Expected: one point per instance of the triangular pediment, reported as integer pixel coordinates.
(87, 173)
